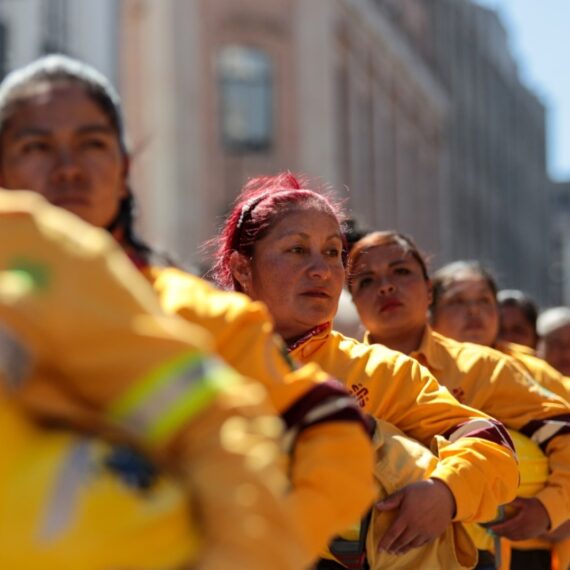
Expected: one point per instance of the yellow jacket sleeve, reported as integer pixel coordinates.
(332, 458)
(547, 376)
(491, 381)
(477, 463)
(522, 404)
(85, 342)
(478, 466)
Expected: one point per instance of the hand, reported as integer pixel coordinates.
(558, 534)
(530, 521)
(425, 510)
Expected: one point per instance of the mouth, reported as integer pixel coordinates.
(388, 306)
(316, 294)
(474, 326)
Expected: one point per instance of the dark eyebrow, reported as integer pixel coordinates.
(30, 132)
(42, 132)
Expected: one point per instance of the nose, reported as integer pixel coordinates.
(66, 166)
(319, 267)
(473, 308)
(385, 287)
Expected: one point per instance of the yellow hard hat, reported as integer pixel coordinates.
(533, 465)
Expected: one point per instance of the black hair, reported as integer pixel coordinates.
(516, 298)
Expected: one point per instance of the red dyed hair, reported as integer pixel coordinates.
(263, 202)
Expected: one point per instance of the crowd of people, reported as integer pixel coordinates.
(154, 419)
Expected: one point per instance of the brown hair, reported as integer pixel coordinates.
(390, 237)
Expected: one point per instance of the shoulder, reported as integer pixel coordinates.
(374, 358)
(467, 355)
(193, 297)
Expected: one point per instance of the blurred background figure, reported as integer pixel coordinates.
(553, 326)
(517, 318)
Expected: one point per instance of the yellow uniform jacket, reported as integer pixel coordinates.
(476, 457)
(547, 376)
(490, 381)
(84, 343)
(332, 459)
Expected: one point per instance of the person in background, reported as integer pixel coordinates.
(62, 135)
(90, 364)
(480, 323)
(392, 291)
(283, 244)
(518, 314)
(553, 327)
(465, 308)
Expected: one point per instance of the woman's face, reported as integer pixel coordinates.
(514, 326)
(555, 349)
(61, 144)
(390, 292)
(297, 271)
(467, 311)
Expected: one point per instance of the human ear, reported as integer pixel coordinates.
(241, 270)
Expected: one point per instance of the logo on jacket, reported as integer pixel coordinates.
(360, 393)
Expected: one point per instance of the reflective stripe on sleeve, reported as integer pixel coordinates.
(543, 431)
(171, 395)
(491, 430)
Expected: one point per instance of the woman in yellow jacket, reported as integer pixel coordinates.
(61, 134)
(283, 244)
(392, 292)
(465, 308)
(85, 346)
(518, 314)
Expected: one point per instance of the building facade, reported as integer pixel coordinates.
(498, 195)
(87, 30)
(217, 91)
(559, 272)
(413, 111)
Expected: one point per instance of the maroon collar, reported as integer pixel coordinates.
(307, 336)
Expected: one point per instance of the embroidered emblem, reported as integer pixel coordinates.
(360, 393)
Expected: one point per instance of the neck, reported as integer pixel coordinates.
(406, 342)
(293, 341)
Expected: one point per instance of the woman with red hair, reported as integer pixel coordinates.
(283, 244)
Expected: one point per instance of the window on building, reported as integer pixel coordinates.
(246, 96)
